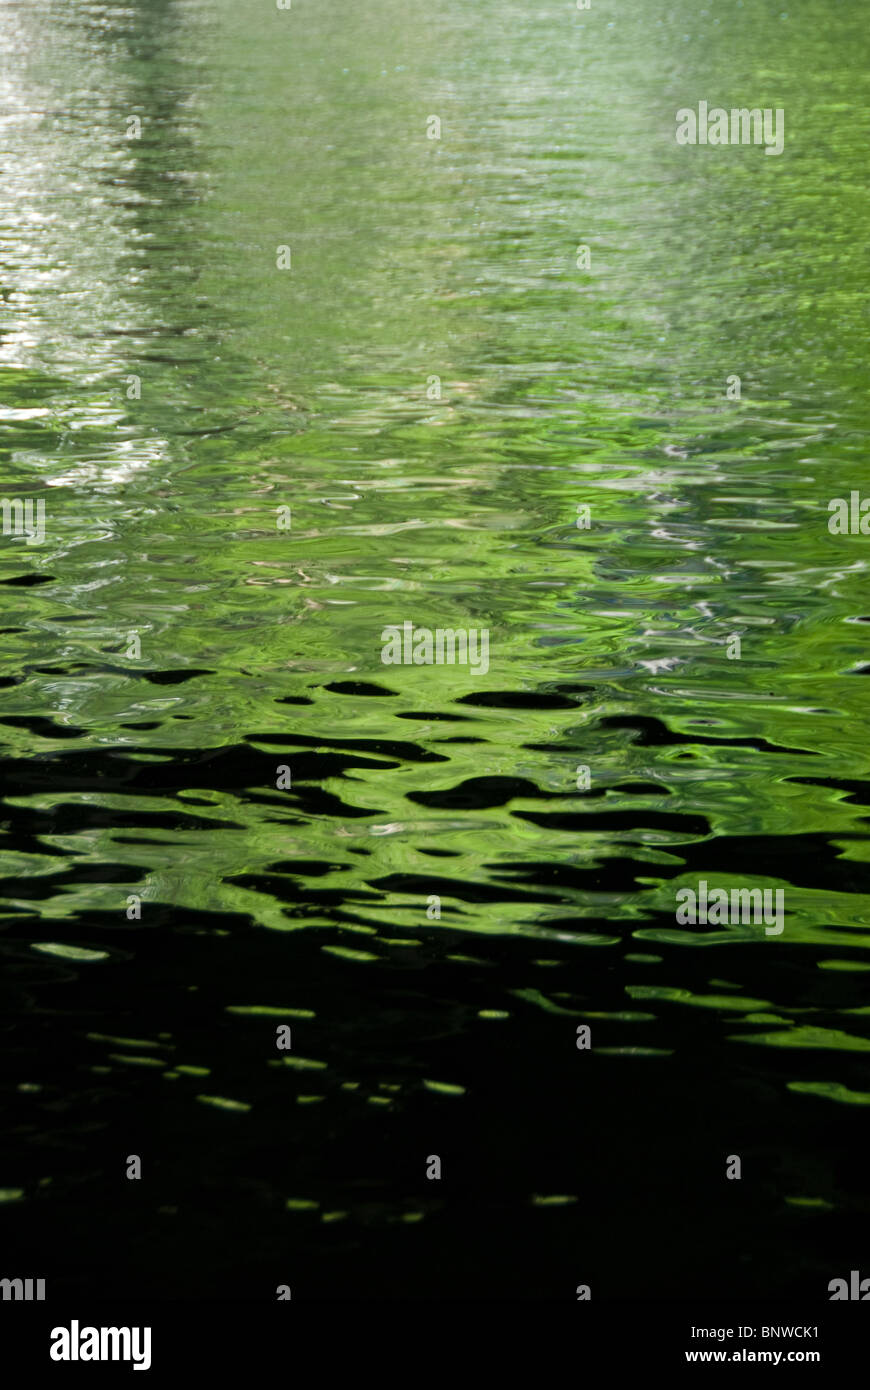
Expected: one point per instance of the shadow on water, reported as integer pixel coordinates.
(316, 1158)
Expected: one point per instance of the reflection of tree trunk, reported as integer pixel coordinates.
(81, 274)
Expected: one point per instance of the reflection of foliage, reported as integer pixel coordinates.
(559, 388)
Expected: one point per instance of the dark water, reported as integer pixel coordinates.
(311, 388)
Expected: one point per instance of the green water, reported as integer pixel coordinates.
(311, 388)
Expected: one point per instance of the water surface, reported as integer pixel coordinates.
(311, 388)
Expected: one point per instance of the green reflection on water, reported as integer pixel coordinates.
(559, 388)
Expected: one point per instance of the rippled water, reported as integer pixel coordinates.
(311, 388)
